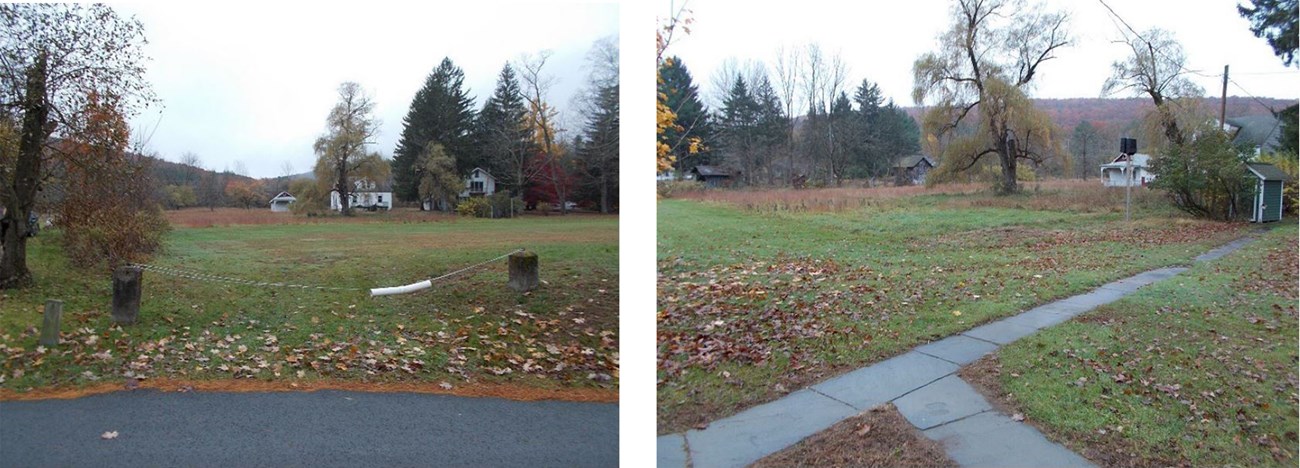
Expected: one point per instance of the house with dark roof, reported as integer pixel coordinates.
(911, 170)
(1261, 132)
(711, 176)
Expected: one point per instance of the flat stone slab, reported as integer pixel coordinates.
(1225, 249)
(1046, 315)
(1098, 297)
(944, 401)
(671, 451)
(886, 380)
(958, 349)
(1001, 332)
(759, 431)
(991, 439)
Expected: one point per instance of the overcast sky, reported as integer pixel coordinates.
(881, 40)
(255, 84)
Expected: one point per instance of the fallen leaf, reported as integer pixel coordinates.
(1018, 417)
(956, 313)
(864, 430)
(108, 435)
(445, 386)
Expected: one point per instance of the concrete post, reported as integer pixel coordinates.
(126, 294)
(50, 326)
(523, 271)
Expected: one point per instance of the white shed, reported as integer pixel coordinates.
(1113, 173)
(281, 202)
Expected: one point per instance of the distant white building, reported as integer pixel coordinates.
(479, 184)
(1113, 173)
(281, 202)
(366, 195)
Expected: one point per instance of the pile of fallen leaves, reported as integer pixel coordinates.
(562, 348)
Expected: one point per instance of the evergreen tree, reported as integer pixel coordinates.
(737, 128)
(683, 98)
(441, 113)
(502, 136)
(598, 151)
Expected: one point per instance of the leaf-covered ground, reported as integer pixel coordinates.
(469, 330)
(1199, 370)
(753, 305)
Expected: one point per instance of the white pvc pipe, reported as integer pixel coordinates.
(413, 287)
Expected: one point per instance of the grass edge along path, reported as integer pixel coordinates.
(815, 295)
(1170, 408)
(924, 385)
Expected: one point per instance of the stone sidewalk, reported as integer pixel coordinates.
(923, 385)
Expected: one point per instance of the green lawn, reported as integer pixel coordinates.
(753, 304)
(564, 334)
(1199, 370)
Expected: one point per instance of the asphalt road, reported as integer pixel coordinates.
(318, 429)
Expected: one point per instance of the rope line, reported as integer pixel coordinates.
(196, 275)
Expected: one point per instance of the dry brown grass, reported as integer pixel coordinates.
(1053, 195)
(203, 217)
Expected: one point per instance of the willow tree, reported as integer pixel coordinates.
(977, 87)
(341, 151)
(1156, 67)
(52, 58)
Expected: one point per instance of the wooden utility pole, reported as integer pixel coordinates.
(1223, 102)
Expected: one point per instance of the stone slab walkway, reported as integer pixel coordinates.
(923, 385)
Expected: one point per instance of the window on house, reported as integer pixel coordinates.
(381, 199)
(476, 186)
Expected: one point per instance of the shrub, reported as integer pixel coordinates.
(1205, 177)
(477, 207)
(108, 214)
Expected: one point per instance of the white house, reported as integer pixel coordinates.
(365, 194)
(479, 184)
(1112, 174)
(281, 202)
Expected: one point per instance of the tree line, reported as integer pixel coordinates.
(797, 124)
(516, 136)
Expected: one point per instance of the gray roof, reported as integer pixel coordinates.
(1267, 171)
(710, 171)
(913, 161)
(1262, 131)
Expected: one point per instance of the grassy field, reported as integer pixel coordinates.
(1196, 371)
(471, 329)
(759, 297)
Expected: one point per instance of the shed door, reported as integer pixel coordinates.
(1272, 200)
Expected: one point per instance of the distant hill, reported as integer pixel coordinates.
(1119, 113)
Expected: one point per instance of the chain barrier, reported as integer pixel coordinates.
(195, 275)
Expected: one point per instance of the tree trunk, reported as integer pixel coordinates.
(342, 187)
(26, 180)
(604, 193)
(1008, 185)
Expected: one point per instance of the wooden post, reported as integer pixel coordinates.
(50, 327)
(126, 294)
(523, 271)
